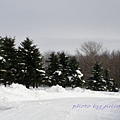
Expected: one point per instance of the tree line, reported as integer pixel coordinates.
(92, 52)
(26, 65)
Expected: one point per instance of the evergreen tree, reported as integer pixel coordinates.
(2, 70)
(8, 53)
(64, 69)
(30, 72)
(58, 69)
(110, 82)
(52, 70)
(75, 75)
(96, 81)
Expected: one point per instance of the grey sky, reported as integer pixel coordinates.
(61, 24)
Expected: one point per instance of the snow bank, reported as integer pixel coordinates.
(17, 102)
(77, 89)
(56, 88)
(18, 92)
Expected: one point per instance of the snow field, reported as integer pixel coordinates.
(57, 103)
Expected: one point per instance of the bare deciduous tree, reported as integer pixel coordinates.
(91, 49)
(88, 55)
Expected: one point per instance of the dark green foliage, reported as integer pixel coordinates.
(53, 63)
(52, 68)
(100, 84)
(99, 81)
(96, 81)
(2, 70)
(111, 86)
(58, 69)
(75, 75)
(64, 70)
(30, 71)
(8, 53)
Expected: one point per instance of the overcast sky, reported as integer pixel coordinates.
(61, 24)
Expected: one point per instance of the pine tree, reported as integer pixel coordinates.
(2, 70)
(111, 86)
(58, 69)
(64, 69)
(96, 81)
(52, 70)
(30, 71)
(8, 53)
(75, 75)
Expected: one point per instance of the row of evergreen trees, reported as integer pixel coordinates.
(100, 80)
(64, 70)
(24, 65)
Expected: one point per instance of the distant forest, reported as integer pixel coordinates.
(91, 67)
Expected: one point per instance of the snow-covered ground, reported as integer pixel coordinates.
(57, 103)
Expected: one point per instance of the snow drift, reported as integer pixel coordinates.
(57, 103)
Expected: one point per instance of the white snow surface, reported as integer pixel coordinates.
(57, 103)
(1, 57)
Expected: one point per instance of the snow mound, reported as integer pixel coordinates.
(77, 89)
(17, 92)
(56, 88)
(18, 87)
(19, 103)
